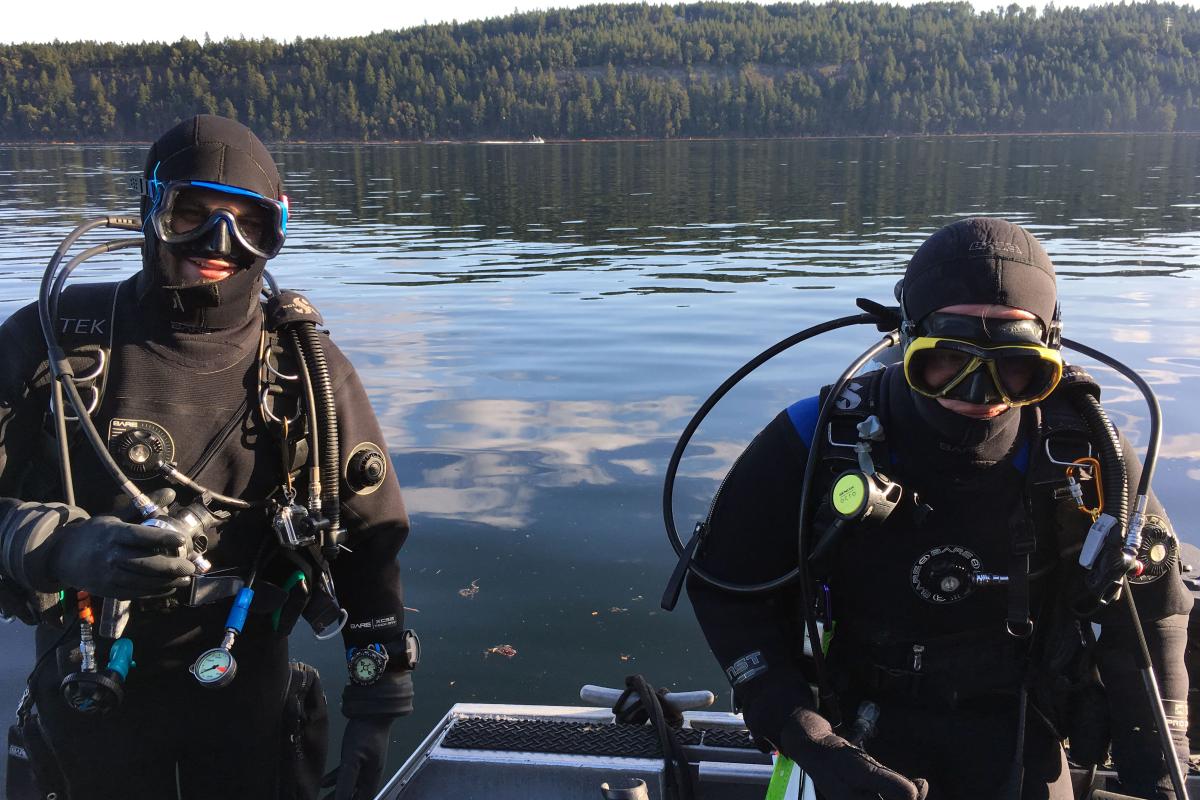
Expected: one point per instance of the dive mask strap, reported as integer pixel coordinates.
(1054, 329)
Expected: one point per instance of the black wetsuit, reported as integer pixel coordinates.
(202, 387)
(945, 674)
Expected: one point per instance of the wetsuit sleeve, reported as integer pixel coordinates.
(752, 538)
(20, 433)
(1163, 606)
(368, 575)
(19, 426)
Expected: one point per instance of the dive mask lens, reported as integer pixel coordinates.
(1022, 373)
(1027, 377)
(932, 370)
(190, 210)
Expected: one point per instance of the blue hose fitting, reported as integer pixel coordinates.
(241, 608)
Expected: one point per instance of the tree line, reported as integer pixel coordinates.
(707, 69)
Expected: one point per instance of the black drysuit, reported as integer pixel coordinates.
(944, 674)
(202, 387)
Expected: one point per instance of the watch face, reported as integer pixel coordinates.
(367, 665)
(214, 667)
(366, 669)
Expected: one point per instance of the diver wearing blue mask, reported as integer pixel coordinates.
(248, 446)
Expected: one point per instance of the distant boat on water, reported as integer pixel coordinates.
(530, 140)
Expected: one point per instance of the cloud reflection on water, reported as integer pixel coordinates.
(493, 456)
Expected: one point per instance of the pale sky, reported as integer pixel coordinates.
(74, 20)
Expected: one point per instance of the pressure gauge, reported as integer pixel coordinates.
(214, 668)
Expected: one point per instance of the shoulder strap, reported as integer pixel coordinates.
(1064, 437)
(86, 322)
(859, 400)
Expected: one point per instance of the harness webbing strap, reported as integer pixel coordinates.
(1024, 543)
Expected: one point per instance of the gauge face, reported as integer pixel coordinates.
(366, 669)
(215, 667)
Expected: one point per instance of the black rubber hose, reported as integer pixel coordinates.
(57, 403)
(314, 353)
(44, 291)
(697, 418)
(272, 284)
(1114, 471)
(54, 354)
(312, 433)
(63, 375)
(1155, 436)
(174, 475)
(65, 272)
(828, 697)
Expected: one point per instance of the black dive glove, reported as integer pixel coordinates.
(371, 711)
(364, 751)
(47, 547)
(840, 770)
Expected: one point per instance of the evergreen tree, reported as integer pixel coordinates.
(694, 69)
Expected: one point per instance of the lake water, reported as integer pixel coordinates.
(535, 325)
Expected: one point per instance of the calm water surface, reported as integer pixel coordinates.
(535, 325)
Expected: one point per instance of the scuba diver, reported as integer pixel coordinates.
(215, 473)
(960, 494)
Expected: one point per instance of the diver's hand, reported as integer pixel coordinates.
(840, 770)
(110, 558)
(364, 751)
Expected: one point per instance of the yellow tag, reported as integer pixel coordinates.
(849, 494)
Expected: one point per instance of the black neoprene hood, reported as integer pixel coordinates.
(213, 149)
(980, 260)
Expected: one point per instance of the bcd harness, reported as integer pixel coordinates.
(856, 455)
(284, 407)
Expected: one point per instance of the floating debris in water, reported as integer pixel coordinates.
(506, 650)
(470, 591)
(617, 610)
(595, 613)
(635, 599)
(625, 657)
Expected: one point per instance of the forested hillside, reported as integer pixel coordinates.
(699, 69)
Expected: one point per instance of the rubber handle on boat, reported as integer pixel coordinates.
(680, 701)
(735, 773)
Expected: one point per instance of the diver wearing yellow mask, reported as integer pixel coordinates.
(953, 605)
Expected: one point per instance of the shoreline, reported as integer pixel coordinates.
(618, 140)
